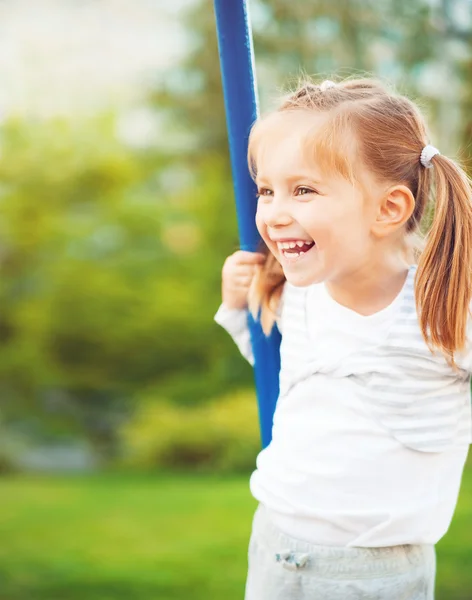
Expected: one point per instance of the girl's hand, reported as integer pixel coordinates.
(238, 271)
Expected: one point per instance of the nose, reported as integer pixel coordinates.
(277, 215)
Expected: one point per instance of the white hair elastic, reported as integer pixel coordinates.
(326, 85)
(427, 154)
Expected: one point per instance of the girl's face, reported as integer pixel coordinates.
(317, 226)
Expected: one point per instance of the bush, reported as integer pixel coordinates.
(221, 436)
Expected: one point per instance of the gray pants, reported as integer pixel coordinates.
(284, 568)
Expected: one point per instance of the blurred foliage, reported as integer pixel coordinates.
(219, 436)
(111, 254)
(423, 48)
(110, 275)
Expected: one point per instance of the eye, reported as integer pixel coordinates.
(264, 192)
(303, 191)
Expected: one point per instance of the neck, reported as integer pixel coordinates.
(372, 286)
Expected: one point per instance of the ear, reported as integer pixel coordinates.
(395, 208)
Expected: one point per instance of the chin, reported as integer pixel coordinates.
(303, 279)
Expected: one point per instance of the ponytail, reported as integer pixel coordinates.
(444, 277)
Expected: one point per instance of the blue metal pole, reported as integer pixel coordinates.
(238, 77)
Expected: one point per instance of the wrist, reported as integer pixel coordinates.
(234, 305)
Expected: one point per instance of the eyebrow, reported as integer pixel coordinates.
(293, 178)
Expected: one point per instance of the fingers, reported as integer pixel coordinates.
(244, 269)
(243, 280)
(242, 257)
(236, 266)
(239, 281)
(238, 275)
(243, 276)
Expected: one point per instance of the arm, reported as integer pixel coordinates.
(234, 321)
(237, 275)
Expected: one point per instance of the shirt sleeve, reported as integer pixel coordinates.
(234, 321)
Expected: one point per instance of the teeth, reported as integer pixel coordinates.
(292, 255)
(299, 243)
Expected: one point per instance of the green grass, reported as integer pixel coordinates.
(111, 537)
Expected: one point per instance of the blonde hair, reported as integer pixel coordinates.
(388, 134)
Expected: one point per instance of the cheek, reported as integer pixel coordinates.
(317, 221)
(260, 223)
(338, 227)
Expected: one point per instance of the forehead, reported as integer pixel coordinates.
(302, 139)
(282, 136)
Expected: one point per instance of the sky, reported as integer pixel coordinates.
(75, 56)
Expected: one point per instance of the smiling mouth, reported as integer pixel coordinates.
(294, 250)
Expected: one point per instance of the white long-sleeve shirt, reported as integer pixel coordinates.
(371, 430)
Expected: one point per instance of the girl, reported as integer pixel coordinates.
(373, 420)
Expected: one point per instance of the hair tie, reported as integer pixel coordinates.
(427, 154)
(326, 85)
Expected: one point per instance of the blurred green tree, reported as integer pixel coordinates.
(77, 245)
(108, 278)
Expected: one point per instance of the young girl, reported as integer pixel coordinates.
(373, 420)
